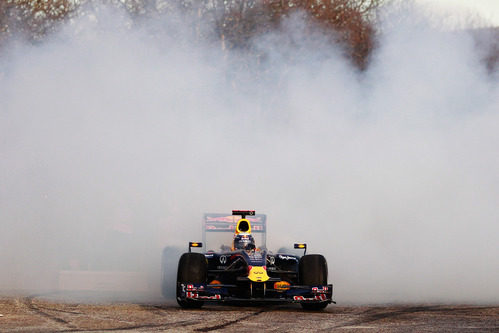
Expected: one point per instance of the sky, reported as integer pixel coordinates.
(487, 9)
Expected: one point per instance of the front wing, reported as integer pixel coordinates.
(220, 293)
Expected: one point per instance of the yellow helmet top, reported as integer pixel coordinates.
(243, 225)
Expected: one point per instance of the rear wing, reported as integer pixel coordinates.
(219, 229)
(243, 213)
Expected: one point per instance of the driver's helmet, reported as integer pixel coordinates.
(244, 241)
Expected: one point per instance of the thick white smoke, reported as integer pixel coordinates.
(115, 141)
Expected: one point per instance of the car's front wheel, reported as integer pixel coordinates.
(192, 268)
(313, 272)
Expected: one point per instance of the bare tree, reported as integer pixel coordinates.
(233, 22)
(32, 18)
(348, 22)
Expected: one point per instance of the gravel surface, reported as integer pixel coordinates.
(45, 313)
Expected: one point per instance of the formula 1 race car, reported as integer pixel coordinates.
(241, 271)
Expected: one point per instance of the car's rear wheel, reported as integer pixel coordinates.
(192, 268)
(313, 272)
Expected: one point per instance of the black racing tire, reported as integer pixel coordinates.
(192, 268)
(313, 272)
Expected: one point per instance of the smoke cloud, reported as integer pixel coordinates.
(115, 141)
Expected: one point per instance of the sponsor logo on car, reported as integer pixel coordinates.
(321, 297)
(255, 256)
(322, 290)
(282, 285)
(286, 257)
(197, 296)
(258, 273)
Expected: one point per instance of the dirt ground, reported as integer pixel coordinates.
(46, 313)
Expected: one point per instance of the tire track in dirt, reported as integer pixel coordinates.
(43, 311)
(156, 309)
(28, 302)
(372, 315)
(229, 323)
(138, 327)
(377, 314)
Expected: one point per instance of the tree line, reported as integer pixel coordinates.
(233, 23)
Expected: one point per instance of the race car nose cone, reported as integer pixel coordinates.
(258, 274)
